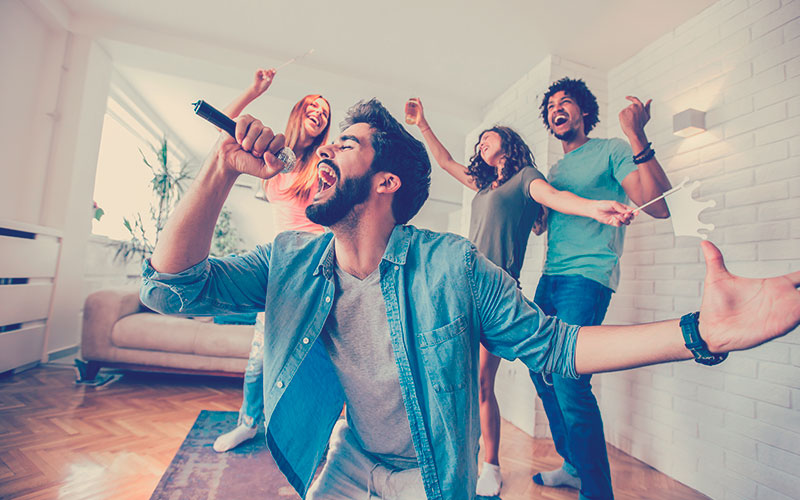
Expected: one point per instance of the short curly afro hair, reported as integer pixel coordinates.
(583, 97)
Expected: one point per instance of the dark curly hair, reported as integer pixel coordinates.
(398, 152)
(518, 156)
(583, 97)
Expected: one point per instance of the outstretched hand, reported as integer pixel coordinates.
(739, 313)
(253, 149)
(612, 213)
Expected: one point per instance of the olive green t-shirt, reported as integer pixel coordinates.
(502, 219)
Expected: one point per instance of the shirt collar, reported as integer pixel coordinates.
(396, 251)
(397, 248)
(325, 264)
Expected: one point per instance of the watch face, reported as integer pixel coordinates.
(709, 359)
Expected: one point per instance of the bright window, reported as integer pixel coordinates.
(122, 184)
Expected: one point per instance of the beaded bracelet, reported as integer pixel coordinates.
(647, 156)
(643, 151)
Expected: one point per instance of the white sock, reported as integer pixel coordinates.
(558, 477)
(490, 481)
(234, 438)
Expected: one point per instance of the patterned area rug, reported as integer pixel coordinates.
(197, 471)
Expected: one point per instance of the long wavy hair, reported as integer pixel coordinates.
(518, 155)
(305, 171)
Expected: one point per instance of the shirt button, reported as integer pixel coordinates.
(396, 268)
(327, 299)
(305, 340)
(279, 384)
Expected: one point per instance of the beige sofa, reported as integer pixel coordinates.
(119, 332)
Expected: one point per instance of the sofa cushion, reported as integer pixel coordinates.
(224, 340)
(156, 332)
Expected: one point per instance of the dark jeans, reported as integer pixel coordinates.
(571, 408)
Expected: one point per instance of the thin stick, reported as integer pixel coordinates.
(294, 59)
(666, 193)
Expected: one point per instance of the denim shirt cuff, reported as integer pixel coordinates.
(562, 354)
(568, 350)
(180, 283)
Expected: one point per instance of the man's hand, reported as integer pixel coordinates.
(633, 118)
(611, 212)
(252, 151)
(739, 313)
(262, 80)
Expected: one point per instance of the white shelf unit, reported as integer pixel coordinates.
(28, 262)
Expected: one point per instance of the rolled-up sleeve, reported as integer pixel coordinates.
(513, 327)
(235, 284)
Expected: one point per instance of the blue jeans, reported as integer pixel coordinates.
(571, 408)
(252, 411)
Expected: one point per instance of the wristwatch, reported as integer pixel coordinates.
(693, 341)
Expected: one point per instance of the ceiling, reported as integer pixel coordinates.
(467, 52)
(458, 55)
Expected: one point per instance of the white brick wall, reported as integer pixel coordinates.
(731, 431)
(745, 413)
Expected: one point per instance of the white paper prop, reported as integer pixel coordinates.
(685, 210)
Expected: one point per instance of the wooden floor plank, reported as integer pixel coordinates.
(63, 440)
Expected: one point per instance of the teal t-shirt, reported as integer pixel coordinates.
(580, 245)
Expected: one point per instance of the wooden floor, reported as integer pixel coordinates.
(62, 440)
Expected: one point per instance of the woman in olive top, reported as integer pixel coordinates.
(510, 192)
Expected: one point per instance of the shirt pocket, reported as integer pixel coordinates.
(446, 355)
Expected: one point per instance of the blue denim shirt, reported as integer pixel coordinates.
(442, 299)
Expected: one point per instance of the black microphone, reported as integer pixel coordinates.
(218, 118)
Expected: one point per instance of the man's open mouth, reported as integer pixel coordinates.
(559, 120)
(327, 176)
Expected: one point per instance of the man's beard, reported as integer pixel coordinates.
(567, 136)
(348, 193)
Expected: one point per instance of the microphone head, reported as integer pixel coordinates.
(288, 158)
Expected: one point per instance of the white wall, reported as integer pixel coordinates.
(54, 98)
(731, 431)
(28, 91)
(70, 180)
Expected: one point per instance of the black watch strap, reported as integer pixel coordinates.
(693, 341)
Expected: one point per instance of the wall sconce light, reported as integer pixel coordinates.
(689, 122)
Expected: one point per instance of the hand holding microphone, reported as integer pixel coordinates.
(254, 141)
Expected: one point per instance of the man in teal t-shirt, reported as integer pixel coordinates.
(582, 266)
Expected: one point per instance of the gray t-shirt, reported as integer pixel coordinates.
(502, 219)
(357, 339)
